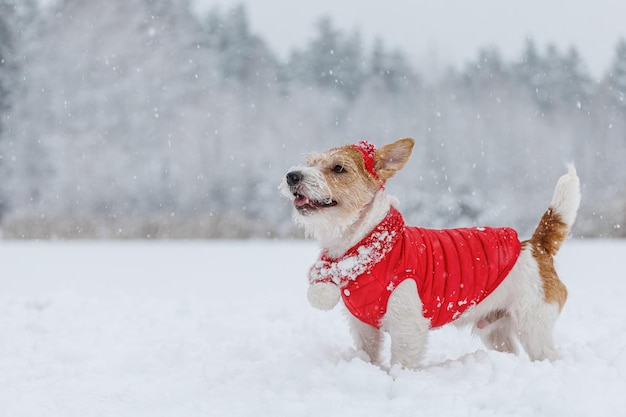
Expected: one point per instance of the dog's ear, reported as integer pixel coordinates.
(391, 158)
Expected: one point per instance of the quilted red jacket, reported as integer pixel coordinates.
(454, 269)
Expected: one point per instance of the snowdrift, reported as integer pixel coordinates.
(224, 329)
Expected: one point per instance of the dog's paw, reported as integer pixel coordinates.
(323, 295)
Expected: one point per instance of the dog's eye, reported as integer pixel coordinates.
(339, 169)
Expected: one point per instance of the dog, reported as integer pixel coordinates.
(407, 280)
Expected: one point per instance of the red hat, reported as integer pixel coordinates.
(368, 151)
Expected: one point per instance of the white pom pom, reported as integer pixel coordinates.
(323, 295)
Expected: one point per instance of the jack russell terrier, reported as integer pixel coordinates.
(406, 280)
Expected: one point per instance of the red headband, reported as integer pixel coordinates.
(368, 151)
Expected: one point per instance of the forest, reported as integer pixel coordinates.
(143, 119)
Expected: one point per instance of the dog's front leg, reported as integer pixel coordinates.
(366, 338)
(407, 326)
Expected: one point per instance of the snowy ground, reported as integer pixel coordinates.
(224, 329)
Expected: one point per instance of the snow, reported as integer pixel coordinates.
(224, 329)
(355, 262)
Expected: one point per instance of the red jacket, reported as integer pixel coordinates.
(454, 269)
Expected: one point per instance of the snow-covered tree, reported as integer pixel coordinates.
(105, 104)
(245, 58)
(332, 60)
(138, 118)
(17, 21)
(8, 61)
(555, 80)
(530, 70)
(617, 75)
(392, 67)
(577, 85)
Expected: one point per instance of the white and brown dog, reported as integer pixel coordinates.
(407, 280)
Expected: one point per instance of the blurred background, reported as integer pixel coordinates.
(151, 119)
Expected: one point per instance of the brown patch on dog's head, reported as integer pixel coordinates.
(352, 179)
(345, 175)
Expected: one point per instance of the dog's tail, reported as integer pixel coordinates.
(559, 218)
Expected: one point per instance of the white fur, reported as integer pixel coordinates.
(530, 319)
(367, 220)
(407, 326)
(336, 235)
(322, 226)
(566, 198)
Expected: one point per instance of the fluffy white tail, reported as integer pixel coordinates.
(561, 214)
(566, 198)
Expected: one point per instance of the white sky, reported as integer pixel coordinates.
(434, 33)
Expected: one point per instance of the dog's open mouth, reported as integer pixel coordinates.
(303, 203)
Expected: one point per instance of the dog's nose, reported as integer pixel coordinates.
(293, 178)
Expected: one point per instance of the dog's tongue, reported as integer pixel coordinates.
(301, 201)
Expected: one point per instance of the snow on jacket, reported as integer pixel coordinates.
(454, 269)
